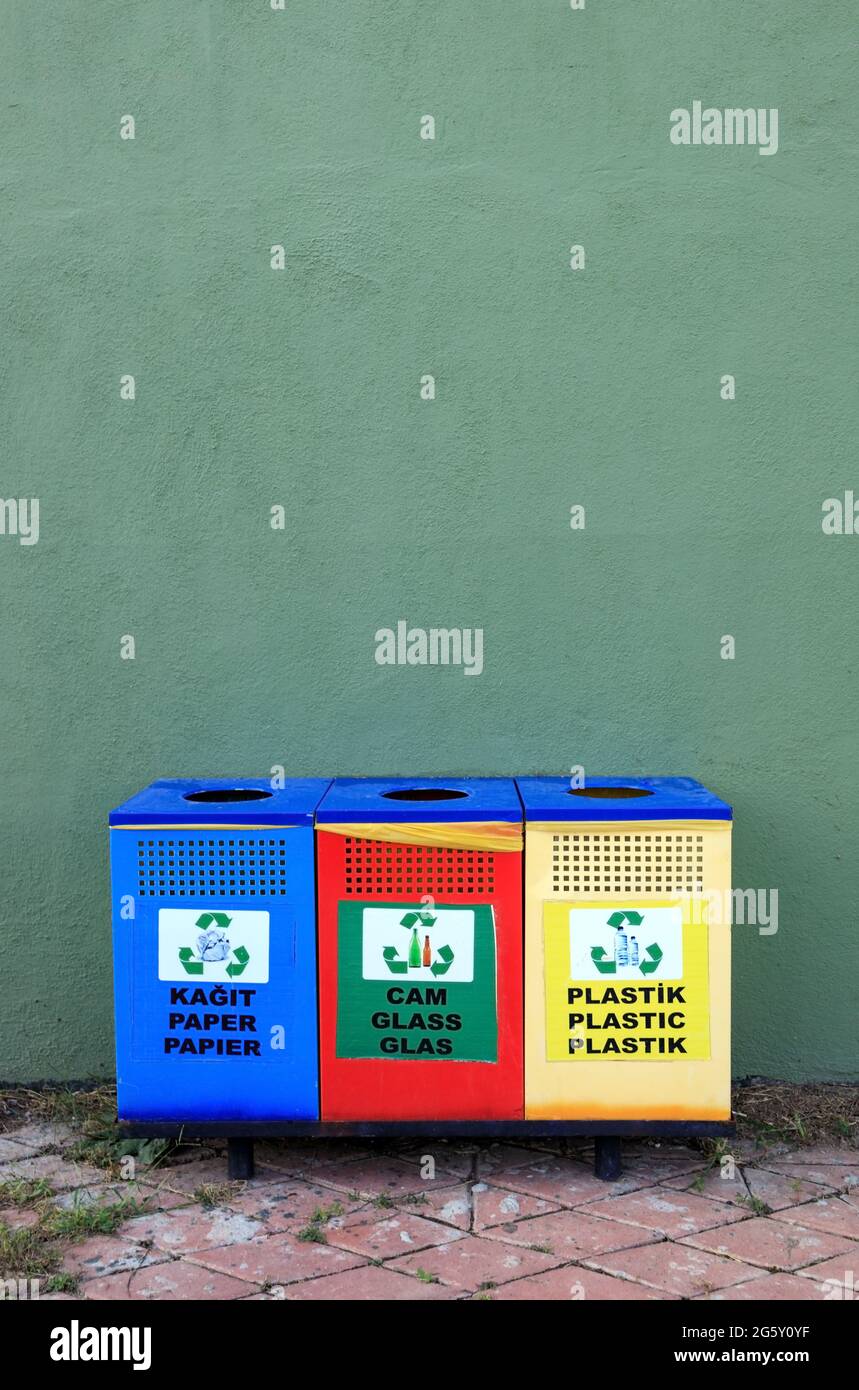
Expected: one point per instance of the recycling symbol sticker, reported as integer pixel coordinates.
(628, 950)
(417, 944)
(213, 945)
(417, 980)
(626, 942)
(436, 959)
(625, 981)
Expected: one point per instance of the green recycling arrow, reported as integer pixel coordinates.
(222, 919)
(411, 919)
(447, 960)
(189, 964)
(617, 919)
(605, 967)
(394, 964)
(242, 956)
(647, 967)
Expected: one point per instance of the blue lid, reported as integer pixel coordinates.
(219, 800)
(620, 798)
(420, 799)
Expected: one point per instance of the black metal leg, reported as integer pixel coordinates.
(607, 1164)
(240, 1159)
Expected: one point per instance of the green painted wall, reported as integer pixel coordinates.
(257, 388)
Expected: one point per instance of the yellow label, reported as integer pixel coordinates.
(626, 981)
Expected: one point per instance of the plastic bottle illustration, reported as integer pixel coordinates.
(621, 951)
(633, 950)
(414, 951)
(427, 956)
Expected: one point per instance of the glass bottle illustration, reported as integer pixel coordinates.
(414, 951)
(427, 956)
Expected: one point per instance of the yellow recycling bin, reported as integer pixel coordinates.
(627, 950)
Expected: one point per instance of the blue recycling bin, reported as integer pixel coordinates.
(214, 940)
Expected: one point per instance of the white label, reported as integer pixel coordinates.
(210, 945)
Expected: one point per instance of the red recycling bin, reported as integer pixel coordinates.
(420, 950)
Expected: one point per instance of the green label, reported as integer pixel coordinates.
(416, 984)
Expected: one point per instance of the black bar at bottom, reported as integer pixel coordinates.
(607, 1163)
(431, 1129)
(240, 1159)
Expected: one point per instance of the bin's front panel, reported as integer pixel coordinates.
(215, 973)
(628, 971)
(420, 978)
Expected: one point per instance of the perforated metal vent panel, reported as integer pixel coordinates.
(375, 868)
(253, 867)
(651, 863)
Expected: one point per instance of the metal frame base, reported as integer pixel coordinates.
(607, 1134)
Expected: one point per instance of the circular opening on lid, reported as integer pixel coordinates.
(223, 794)
(610, 793)
(424, 794)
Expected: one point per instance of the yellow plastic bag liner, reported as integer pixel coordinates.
(497, 836)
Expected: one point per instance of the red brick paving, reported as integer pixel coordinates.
(55, 1169)
(504, 1158)
(843, 1268)
(831, 1214)
(100, 1255)
(192, 1229)
(452, 1205)
(673, 1268)
(381, 1177)
(770, 1288)
(281, 1259)
(666, 1211)
(291, 1204)
(384, 1237)
(457, 1159)
(711, 1183)
(497, 1206)
(474, 1264)
(574, 1283)
(16, 1218)
(837, 1176)
(144, 1197)
(10, 1150)
(571, 1234)
(565, 1182)
(775, 1244)
(175, 1279)
(189, 1178)
(369, 1283)
(780, 1190)
(496, 1222)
